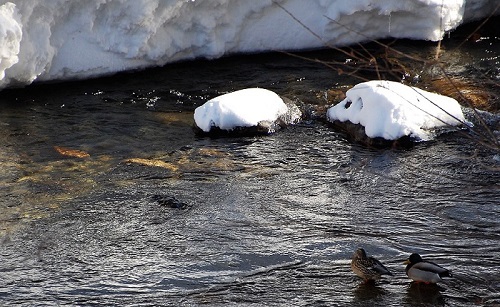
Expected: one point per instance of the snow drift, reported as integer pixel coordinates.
(67, 39)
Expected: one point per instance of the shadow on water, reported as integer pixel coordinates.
(425, 294)
(109, 198)
(368, 293)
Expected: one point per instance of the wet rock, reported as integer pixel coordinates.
(69, 152)
(469, 93)
(170, 201)
(356, 133)
(153, 163)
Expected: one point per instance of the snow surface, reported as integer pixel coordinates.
(67, 39)
(392, 110)
(243, 108)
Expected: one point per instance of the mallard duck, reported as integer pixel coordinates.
(428, 272)
(368, 268)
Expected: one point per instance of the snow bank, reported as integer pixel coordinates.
(67, 39)
(243, 108)
(391, 110)
(10, 38)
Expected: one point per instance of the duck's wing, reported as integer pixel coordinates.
(378, 267)
(418, 274)
(431, 267)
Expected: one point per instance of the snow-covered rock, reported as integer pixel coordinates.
(261, 110)
(68, 39)
(391, 110)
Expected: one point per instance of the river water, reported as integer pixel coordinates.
(90, 170)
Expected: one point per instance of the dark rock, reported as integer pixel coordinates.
(356, 133)
(170, 201)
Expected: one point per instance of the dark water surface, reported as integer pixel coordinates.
(88, 167)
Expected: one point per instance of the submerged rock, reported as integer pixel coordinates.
(170, 201)
(73, 153)
(252, 111)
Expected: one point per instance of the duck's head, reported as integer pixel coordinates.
(360, 253)
(414, 258)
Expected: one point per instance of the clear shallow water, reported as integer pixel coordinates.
(268, 220)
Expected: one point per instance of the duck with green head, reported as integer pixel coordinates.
(421, 270)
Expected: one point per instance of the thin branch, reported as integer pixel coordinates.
(314, 33)
(480, 26)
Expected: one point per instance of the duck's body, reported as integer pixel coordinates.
(368, 268)
(420, 270)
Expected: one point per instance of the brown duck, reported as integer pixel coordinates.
(368, 268)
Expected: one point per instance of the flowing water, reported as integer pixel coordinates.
(90, 170)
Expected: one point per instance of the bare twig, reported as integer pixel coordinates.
(369, 60)
(480, 25)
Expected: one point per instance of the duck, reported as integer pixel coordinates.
(420, 270)
(368, 268)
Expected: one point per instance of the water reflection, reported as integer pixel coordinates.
(425, 294)
(369, 292)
